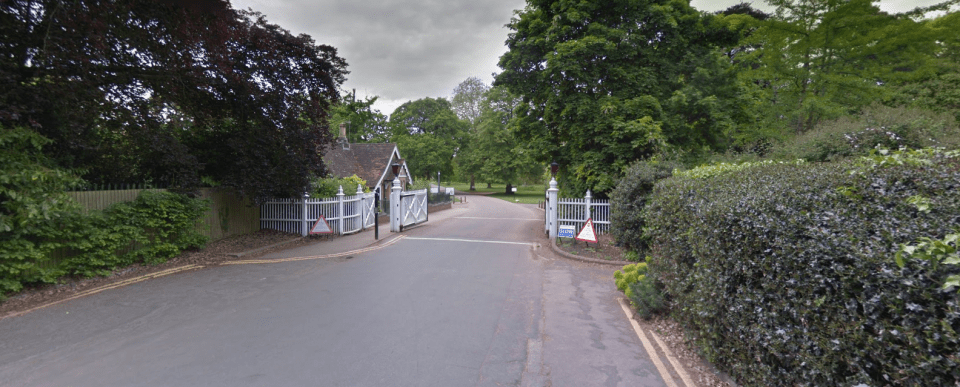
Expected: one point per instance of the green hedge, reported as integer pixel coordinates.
(786, 273)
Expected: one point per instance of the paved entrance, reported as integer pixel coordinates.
(468, 298)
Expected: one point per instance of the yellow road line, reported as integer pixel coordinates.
(295, 259)
(111, 286)
(664, 373)
(673, 360)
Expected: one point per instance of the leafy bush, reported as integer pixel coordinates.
(786, 273)
(628, 199)
(32, 201)
(330, 186)
(878, 125)
(630, 274)
(646, 297)
(640, 289)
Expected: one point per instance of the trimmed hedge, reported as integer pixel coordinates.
(786, 273)
(629, 198)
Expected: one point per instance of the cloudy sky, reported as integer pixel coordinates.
(403, 50)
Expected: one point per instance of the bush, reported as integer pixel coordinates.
(878, 125)
(646, 297)
(786, 274)
(330, 186)
(32, 202)
(640, 289)
(628, 199)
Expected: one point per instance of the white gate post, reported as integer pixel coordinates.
(343, 218)
(363, 207)
(305, 227)
(586, 203)
(395, 206)
(552, 208)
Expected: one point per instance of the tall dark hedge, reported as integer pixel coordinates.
(786, 273)
(629, 198)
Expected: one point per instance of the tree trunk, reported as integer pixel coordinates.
(472, 183)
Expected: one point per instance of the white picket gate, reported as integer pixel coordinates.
(344, 214)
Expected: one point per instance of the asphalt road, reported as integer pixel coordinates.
(468, 299)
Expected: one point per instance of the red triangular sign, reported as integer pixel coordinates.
(321, 227)
(587, 234)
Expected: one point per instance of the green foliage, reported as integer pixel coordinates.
(820, 60)
(877, 126)
(640, 289)
(629, 198)
(328, 187)
(169, 92)
(646, 297)
(935, 252)
(154, 227)
(32, 203)
(786, 280)
(38, 220)
(606, 83)
(714, 170)
(429, 132)
(628, 275)
(363, 122)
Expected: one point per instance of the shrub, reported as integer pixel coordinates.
(151, 229)
(786, 273)
(32, 202)
(628, 199)
(646, 297)
(628, 275)
(330, 186)
(878, 125)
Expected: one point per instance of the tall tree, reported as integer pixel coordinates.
(819, 59)
(429, 135)
(593, 77)
(468, 98)
(494, 152)
(176, 90)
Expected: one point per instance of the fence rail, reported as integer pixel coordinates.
(344, 214)
(576, 211)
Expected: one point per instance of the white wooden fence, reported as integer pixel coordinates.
(344, 214)
(575, 212)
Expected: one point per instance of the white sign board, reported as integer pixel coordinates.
(587, 234)
(567, 231)
(321, 227)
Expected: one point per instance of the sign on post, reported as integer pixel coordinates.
(587, 234)
(321, 227)
(567, 231)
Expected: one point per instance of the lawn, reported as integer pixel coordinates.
(529, 194)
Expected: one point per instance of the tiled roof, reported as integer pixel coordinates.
(368, 161)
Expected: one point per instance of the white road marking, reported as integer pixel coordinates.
(474, 217)
(471, 240)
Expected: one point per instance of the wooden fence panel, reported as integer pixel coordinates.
(228, 214)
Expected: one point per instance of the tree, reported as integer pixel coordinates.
(176, 91)
(467, 100)
(364, 123)
(594, 78)
(428, 134)
(493, 153)
(820, 59)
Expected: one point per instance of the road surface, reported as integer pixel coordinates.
(468, 299)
